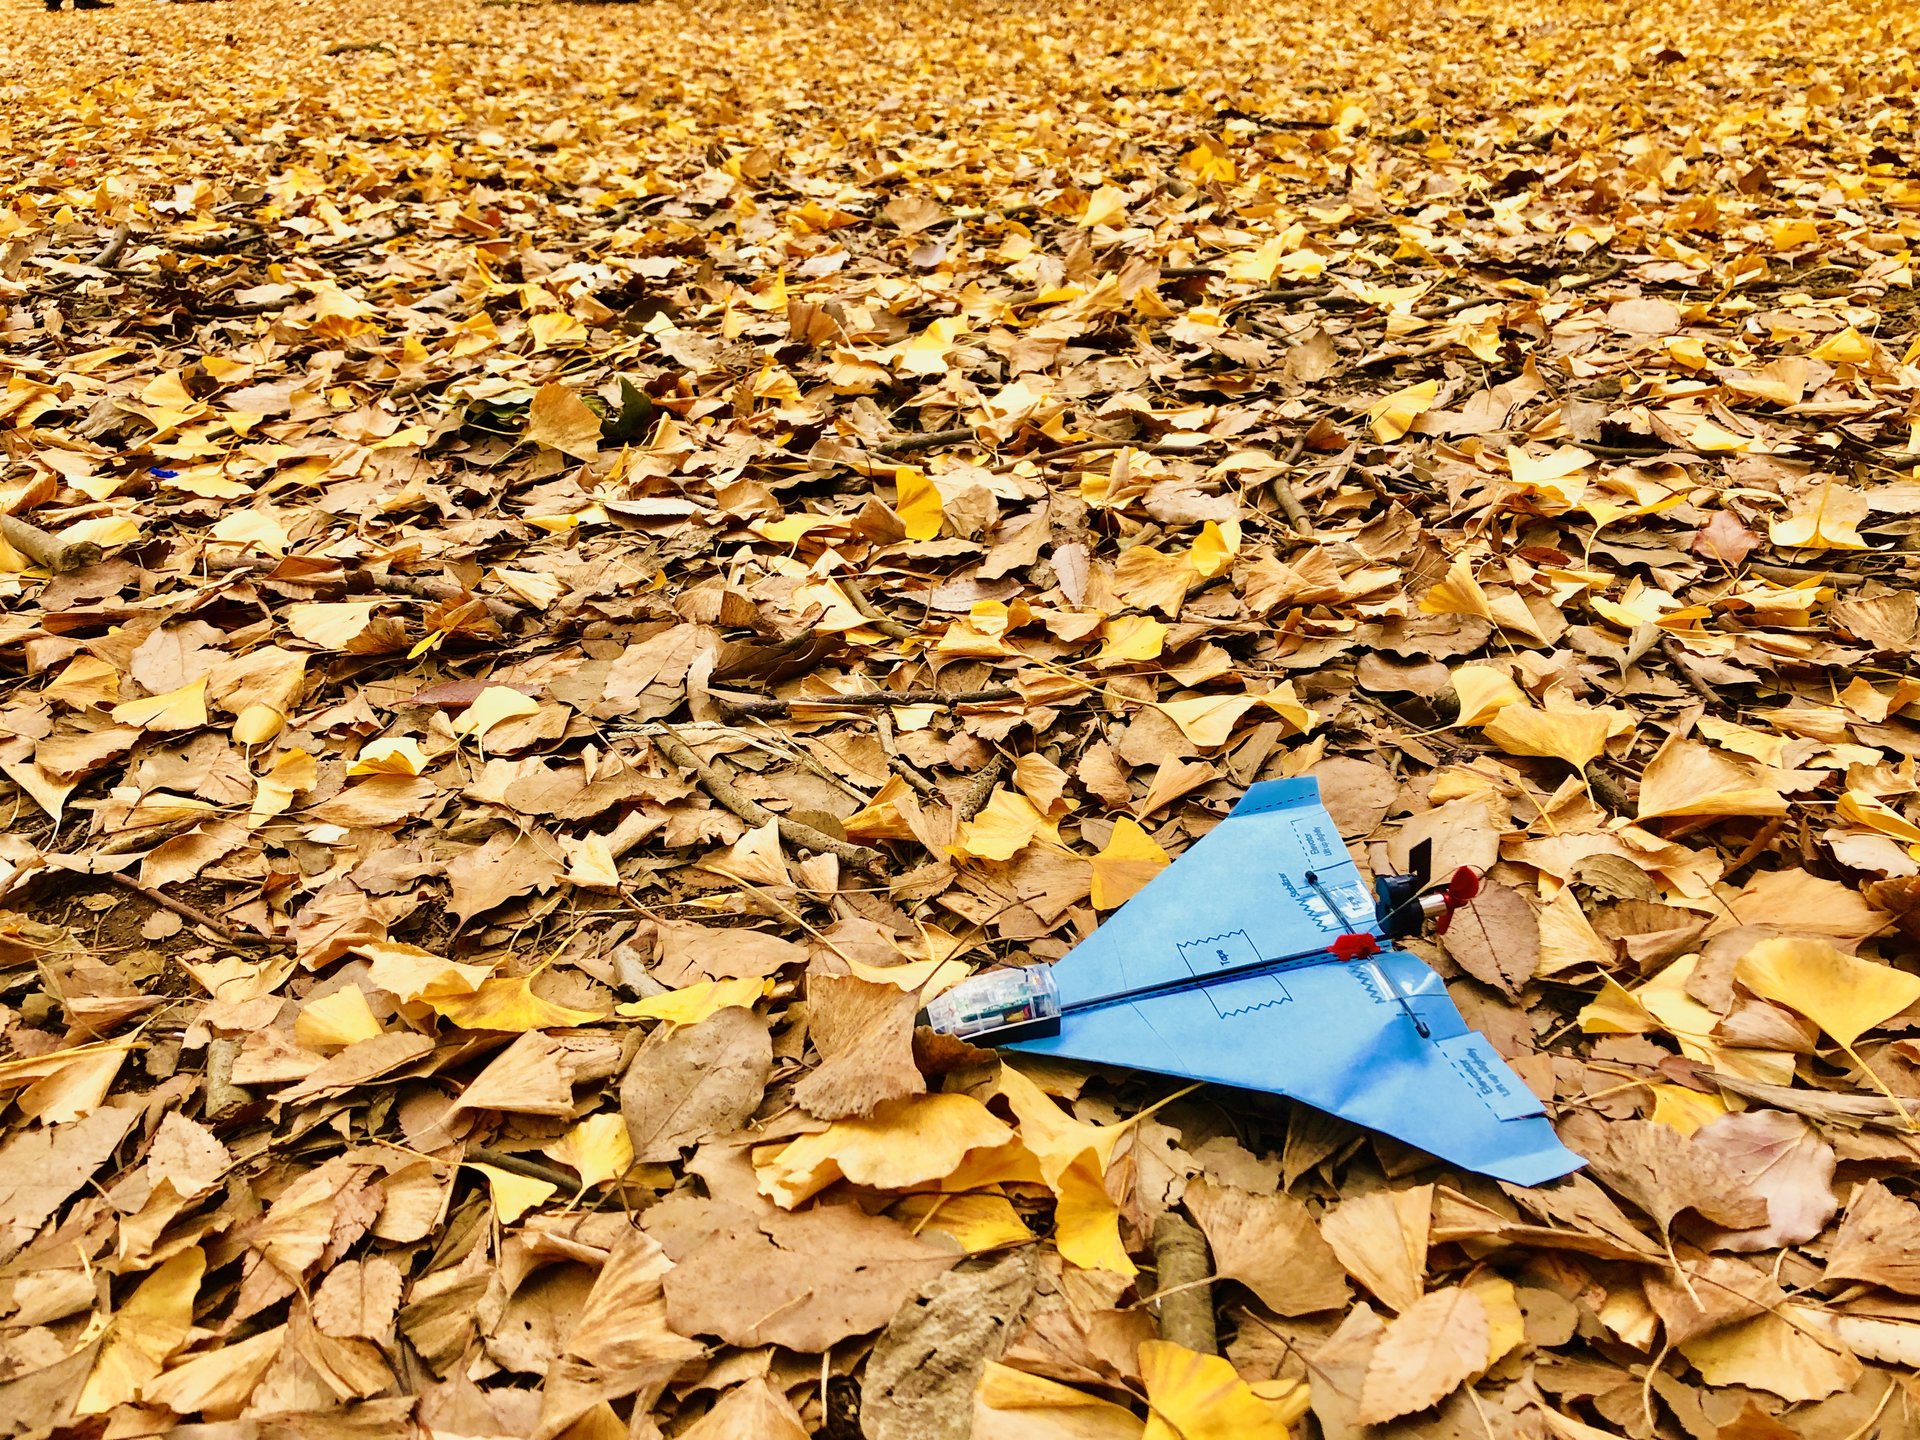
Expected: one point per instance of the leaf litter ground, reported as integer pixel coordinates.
(565, 565)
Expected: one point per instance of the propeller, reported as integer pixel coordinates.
(1406, 902)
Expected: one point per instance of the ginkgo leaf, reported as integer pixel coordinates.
(1483, 691)
(1105, 206)
(336, 1020)
(1393, 415)
(410, 974)
(913, 1140)
(1207, 720)
(1130, 638)
(1824, 519)
(1438, 1342)
(976, 1223)
(1577, 734)
(598, 1149)
(693, 1003)
(509, 1005)
(181, 709)
(1006, 824)
(1125, 864)
(1202, 1397)
(1458, 593)
(917, 503)
(492, 706)
(1687, 778)
(514, 1195)
(1214, 552)
(390, 755)
(144, 1334)
(293, 772)
(1842, 994)
(1019, 1406)
(1559, 477)
(1848, 347)
(561, 420)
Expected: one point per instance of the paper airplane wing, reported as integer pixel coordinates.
(1323, 1034)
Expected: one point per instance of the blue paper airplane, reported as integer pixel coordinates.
(1223, 968)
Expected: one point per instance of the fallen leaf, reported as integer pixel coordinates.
(1435, 1344)
(1271, 1245)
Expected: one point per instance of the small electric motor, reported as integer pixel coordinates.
(1016, 1004)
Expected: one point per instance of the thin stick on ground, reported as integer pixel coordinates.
(754, 813)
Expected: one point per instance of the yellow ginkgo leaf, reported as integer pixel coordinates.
(1616, 1011)
(1105, 206)
(1826, 519)
(1213, 553)
(1207, 720)
(1558, 477)
(1687, 778)
(1284, 702)
(336, 1020)
(145, 1333)
(926, 978)
(1202, 1397)
(554, 327)
(1842, 994)
(598, 1149)
(1568, 939)
(1683, 1109)
(1483, 691)
(1013, 1403)
(914, 1140)
(293, 772)
(411, 974)
(1130, 638)
(561, 420)
(1152, 579)
(1007, 824)
(976, 1223)
(917, 503)
(1055, 1137)
(490, 707)
(1577, 734)
(257, 530)
(1086, 1221)
(1873, 813)
(1458, 593)
(106, 531)
(1393, 415)
(1506, 1327)
(1123, 867)
(693, 1003)
(1849, 347)
(509, 1005)
(391, 755)
(513, 1195)
(182, 709)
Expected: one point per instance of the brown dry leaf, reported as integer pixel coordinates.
(1381, 1239)
(1878, 1241)
(1496, 938)
(1270, 1244)
(1659, 1170)
(820, 1276)
(688, 1082)
(1434, 1345)
(1785, 1161)
(864, 1033)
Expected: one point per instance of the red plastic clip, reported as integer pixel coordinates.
(1355, 947)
